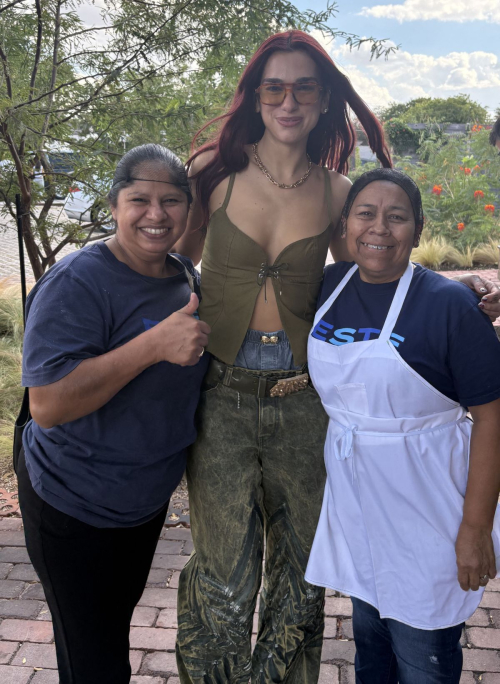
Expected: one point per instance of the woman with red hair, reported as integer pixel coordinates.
(269, 189)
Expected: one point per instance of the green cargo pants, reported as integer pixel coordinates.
(255, 473)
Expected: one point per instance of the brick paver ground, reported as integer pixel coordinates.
(27, 654)
(9, 251)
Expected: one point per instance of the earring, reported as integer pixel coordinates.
(325, 110)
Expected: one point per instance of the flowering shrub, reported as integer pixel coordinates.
(401, 137)
(460, 185)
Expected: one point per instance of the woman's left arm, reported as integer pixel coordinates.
(474, 545)
(487, 290)
(340, 189)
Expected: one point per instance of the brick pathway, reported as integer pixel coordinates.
(9, 251)
(27, 653)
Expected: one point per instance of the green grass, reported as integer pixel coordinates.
(11, 392)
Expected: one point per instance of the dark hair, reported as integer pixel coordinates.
(129, 164)
(393, 176)
(330, 143)
(495, 133)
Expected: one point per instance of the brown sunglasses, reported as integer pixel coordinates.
(304, 93)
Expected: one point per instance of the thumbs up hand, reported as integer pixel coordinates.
(191, 307)
(181, 338)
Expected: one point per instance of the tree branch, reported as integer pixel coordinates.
(69, 238)
(47, 205)
(11, 4)
(25, 189)
(55, 54)
(8, 203)
(37, 49)
(87, 30)
(6, 72)
(79, 54)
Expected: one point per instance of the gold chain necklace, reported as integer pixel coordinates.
(283, 186)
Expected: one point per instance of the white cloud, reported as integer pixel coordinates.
(444, 10)
(407, 75)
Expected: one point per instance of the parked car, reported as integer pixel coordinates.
(80, 206)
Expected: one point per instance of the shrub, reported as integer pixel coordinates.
(402, 138)
(432, 252)
(11, 311)
(460, 185)
(11, 392)
(487, 253)
(436, 253)
(461, 258)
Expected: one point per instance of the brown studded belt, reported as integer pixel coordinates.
(248, 383)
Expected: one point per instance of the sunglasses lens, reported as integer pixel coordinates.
(306, 93)
(272, 93)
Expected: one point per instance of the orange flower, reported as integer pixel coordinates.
(476, 127)
(478, 193)
(460, 226)
(489, 207)
(467, 171)
(437, 190)
(477, 167)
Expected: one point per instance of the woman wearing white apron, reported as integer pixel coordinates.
(407, 528)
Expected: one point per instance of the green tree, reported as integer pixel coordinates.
(457, 109)
(152, 71)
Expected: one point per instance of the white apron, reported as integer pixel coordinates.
(396, 456)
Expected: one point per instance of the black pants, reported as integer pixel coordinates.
(93, 578)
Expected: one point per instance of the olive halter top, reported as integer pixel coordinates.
(234, 268)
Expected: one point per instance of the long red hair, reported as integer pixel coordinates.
(330, 143)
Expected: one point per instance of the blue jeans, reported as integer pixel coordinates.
(255, 355)
(388, 651)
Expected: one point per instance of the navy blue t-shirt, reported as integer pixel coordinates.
(117, 466)
(441, 333)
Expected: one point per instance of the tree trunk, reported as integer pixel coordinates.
(29, 241)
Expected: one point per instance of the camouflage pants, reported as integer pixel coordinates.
(255, 474)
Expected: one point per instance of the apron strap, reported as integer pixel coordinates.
(397, 303)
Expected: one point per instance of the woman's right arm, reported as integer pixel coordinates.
(177, 339)
(192, 242)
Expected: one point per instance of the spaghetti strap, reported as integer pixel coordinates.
(229, 191)
(328, 194)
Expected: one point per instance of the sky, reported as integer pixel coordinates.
(447, 47)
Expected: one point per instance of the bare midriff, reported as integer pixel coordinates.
(263, 260)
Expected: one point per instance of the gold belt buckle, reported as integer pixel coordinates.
(290, 385)
(266, 339)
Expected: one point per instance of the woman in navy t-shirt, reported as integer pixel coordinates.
(408, 529)
(113, 357)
